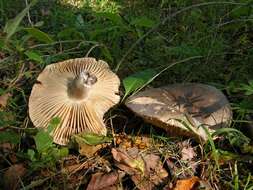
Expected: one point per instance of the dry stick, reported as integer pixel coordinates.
(91, 49)
(165, 20)
(28, 14)
(60, 42)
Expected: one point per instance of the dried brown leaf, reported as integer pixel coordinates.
(4, 99)
(89, 150)
(187, 184)
(13, 176)
(146, 170)
(129, 161)
(105, 181)
(188, 153)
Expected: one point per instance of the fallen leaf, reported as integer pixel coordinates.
(188, 153)
(187, 184)
(89, 150)
(129, 161)
(13, 176)
(154, 173)
(145, 169)
(172, 167)
(4, 99)
(89, 144)
(105, 181)
(2, 55)
(6, 147)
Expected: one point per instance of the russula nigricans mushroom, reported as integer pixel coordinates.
(183, 109)
(79, 92)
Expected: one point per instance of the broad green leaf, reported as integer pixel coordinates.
(143, 22)
(43, 141)
(70, 33)
(53, 124)
(31, 154)
(34, 56)
(91, 138)
(138, 80)
(9, 136)
(39, 24)
(61, 152)
(39, 35)
(12, 25)
(115, 18)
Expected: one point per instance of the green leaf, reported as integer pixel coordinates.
(138, 80)
(34, 56)
(107, 54)
(39, 35)
(53, 124)
(12, 25)
(91, 138)
(43, 141)
(9, 136)
(61, 152)
(31, 154)
(143, 22)
(115, 18)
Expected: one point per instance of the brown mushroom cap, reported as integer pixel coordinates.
(182, 109)
(79, 92)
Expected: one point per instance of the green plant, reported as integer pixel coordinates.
(46, 153)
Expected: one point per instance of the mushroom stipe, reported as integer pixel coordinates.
(79, 92)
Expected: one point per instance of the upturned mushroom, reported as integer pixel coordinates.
(79, 92)
(183, 109)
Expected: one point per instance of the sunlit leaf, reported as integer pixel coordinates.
(137, 80)
(60, 152)
(34, 56)
(115, 18)
(53, 124)
(43, 141)
(31, 154)
(39, 35)
(13, 24)
(92, 138)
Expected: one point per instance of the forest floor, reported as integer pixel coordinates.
(189, 41)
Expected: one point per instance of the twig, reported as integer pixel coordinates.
(165, 20)
(28, 14)
(90, 50)
(61, 42)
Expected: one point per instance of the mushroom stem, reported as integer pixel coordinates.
(79, 87)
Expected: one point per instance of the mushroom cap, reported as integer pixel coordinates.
(183, 109)
(50, 97)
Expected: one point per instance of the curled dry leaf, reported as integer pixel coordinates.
(145, 169)
(89, 150)
(192, 183)
(13, 176)
(4, 99)
(186, 184)
(129, 161)
(188, 153)
(1, 55)
(106, 181)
